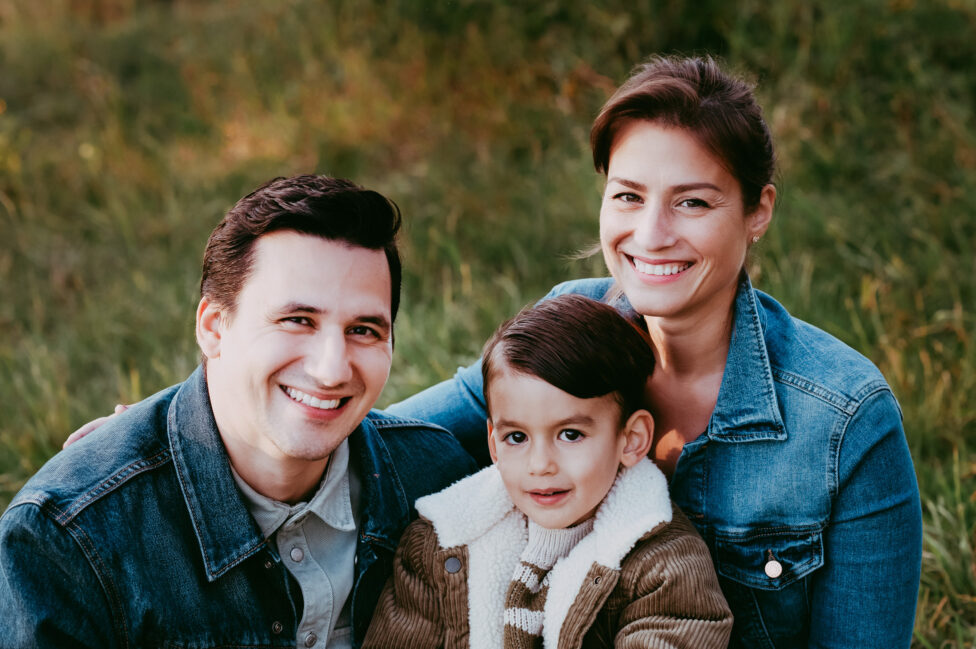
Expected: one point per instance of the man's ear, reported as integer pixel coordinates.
(491, 444)
(638, 434)
(210, 318)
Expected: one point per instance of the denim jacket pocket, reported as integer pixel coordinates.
(769, 558)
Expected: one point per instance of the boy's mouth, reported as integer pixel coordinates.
(548, 496)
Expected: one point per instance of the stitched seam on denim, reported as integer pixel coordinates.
(759, 618)
(409, 424)
(842, 402)
(104, 577)
(834, 479)
(111, 483)
(765, 532)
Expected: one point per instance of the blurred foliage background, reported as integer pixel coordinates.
(127, 128)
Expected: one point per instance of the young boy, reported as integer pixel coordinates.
(570, 539)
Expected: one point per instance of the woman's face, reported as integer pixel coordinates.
(672, 226)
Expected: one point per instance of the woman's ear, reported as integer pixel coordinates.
(638, 434)
(760, 218)
(491, 444)
(209, 320)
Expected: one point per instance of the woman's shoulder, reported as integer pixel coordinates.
(805, 355)
(596, 288)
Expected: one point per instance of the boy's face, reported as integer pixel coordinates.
(558, 454)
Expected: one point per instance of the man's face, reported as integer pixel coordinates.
(294, 370)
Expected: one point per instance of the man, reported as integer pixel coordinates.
(258, 503)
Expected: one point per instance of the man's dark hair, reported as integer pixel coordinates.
(579, 345)
(331, 208)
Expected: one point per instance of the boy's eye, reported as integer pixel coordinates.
(570, 435)
(514, 438)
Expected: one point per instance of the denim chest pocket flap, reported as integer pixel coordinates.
(770, 558)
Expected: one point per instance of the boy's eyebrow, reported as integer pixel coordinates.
(579, 420)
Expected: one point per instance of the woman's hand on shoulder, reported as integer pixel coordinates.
(92, 425)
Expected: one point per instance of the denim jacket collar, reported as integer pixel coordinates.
(385, 509)
(225, 530)
(746, 409)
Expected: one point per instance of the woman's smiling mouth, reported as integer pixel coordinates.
(659, 269)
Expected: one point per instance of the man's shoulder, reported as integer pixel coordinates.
(103, 462)
(426, 457)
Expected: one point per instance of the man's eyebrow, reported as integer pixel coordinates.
(300, 307)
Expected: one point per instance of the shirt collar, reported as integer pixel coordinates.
(332, 503)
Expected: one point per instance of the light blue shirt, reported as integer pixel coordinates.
(317, 544)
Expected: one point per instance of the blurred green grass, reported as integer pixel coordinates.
(127, 128)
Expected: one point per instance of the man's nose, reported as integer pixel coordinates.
(328, 360)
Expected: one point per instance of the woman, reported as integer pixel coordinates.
(783, 445)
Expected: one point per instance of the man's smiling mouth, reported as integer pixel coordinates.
(309, 400)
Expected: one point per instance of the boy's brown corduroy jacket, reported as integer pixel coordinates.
(642, 577)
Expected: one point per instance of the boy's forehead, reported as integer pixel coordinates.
(517, 397)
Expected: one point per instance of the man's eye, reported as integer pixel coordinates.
(298, 320)
(515, 438)
(362, 330)
(570, 435)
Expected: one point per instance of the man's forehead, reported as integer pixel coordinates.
(321, 273)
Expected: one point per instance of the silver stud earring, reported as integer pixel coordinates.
(755, 239)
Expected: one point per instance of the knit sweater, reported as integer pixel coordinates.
(642, 577)
(526, 598)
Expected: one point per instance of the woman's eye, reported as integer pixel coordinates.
(570, 435)
(693, 202)
(627, 197)
(514, 438)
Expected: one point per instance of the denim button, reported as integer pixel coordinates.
(276, 627)
(268, 564)
(310, 639)
(773, 569)
(452, 565)
(297, 554)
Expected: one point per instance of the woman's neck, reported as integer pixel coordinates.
(692, 345)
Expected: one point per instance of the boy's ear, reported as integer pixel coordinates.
(209, 329)
(491, 444)
(638, 433)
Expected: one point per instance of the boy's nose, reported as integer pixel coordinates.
(541, 461)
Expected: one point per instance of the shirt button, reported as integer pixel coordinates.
(276, 627)
(297, 554)
(452, 565)
(773, 569)
(310, 639)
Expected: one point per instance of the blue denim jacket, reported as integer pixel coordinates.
(138, 537)
(802, 486)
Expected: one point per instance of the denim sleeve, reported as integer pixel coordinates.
(457, 405)
(49, 595)
(866, 593)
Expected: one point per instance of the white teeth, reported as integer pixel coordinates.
(659, 269)
(309, 400)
